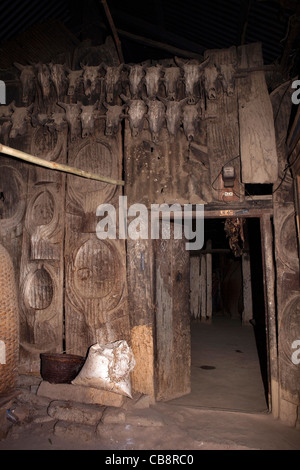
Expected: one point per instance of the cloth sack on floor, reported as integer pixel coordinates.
(108, 367)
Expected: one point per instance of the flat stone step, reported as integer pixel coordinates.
(76, 412)
(80, 394)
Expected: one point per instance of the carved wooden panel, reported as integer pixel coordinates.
(287, 295)
(169, 171)
(223, 130)
(42, 269)
(95, 270)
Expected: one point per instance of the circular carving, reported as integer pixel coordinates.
(44, 141)
(94, 157)
(39, 290)
(95, 270)
(288, 251)
(95, 280)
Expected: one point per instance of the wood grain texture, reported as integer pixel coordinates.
(259, 162)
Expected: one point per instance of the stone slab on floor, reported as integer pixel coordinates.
(80, 394)
(76, 412)
(65, 429)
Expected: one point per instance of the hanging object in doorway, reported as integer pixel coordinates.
(235, 232)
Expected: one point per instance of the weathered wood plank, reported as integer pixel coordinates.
(223, 129)
(259, 162)
(173, 354)
(42, 261)
(95, 269)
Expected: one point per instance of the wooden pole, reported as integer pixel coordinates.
(114, 31)
(57, 166)
(271, 329)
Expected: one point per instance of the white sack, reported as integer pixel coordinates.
(108, 367)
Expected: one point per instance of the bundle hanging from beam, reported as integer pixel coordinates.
(57, 166)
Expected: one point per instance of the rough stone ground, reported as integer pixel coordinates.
(47, 424)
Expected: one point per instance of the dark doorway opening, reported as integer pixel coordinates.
(228, 344)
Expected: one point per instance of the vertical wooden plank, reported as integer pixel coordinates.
(208, 313)
(141, 308)
(42, 262)
(247, 294)
(203, 287)
(247, 313)
(223, 129)
(259, 162)
(287, 265)
(270, 303)
(95, 280)
(195, 287)
(173, 355)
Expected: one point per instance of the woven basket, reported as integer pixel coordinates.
(9, 324)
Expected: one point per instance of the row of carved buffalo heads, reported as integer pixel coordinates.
(81, 118)
(140, 78)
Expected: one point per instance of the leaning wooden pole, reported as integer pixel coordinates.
(57, 166)
(270, 303)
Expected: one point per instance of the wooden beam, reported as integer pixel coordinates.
(114, 31)
(159, 45)
(57, 166)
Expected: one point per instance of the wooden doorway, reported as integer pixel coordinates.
(249, 335)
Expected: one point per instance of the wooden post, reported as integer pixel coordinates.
(209, 282)
(195, 293)
(203, 287)
(271, 330)
(247, 291)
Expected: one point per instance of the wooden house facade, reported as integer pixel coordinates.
(185, 132)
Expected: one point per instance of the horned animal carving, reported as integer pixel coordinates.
(136, 79)
(171, 79)
(114, 115)
(173, 114)
(59, 79)
(74, 77)
(28, 80)
(91, 79)
(136, 113)
(20, 119)
(87, 118)
(112, 81)
(155, 117)
(72, 117)
(152, 80)
(192, 73)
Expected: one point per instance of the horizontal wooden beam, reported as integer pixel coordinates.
(56, 166)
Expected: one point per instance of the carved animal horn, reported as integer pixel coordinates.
(19, 66)
(124, 98)
(163, 100)
(204, 63)
(179, 62)
(62, 105)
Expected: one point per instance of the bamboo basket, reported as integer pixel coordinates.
(9, 324)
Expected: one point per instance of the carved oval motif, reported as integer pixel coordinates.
(45, 143)
(42, 209)
(11, 192)
(288, 250)
(289, 332)
(94, 157)
(39, 291)
(95, 270)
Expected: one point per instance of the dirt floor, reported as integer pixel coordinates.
(182, 428)
(226, 409)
